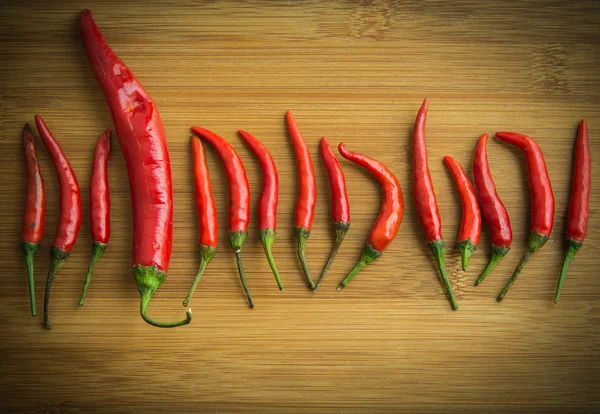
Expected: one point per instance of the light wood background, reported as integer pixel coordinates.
(354, 72)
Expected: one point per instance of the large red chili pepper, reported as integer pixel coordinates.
(579, 206)
(99, 206)
(207, 213)
(269, 197)
(307, 193)
(69, 221)
(142, 139)
(426, 201)
(492, 208)
(239, 197)
(340, 207)
(35, 210)
(390, 215)
(542, 199)
(470, 227)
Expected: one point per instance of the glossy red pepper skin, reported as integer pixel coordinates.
(239, 197)
(470, 227)
(143, 143)
(207, 213)
(390, 215)
(492, 208)
(268, 200)
(69, 221)
(425, 199)
(542, 199)
(35, 210)
(99, 206)
(307, 193)
(579, 205)
(340, 207)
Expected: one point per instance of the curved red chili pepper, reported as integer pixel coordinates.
(579, 206)
(492, 208)
(35, 210)
(239, 197)
(390, 216)
(69, 221)
(425, 199)
(142, 139)
(470, 227)
(99, 206)
(340, 207)
(267, 203)
(307, 193)
(207, 213)
(542, 199)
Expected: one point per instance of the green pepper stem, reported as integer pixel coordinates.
(498, 252)
(369, 254)
(97, 250)
(572, 248)
(340, 228)
(267, 237)
(237, 239)
(29, 250)
(466, 249)
(302, 235)
(437, 248)
(238, 257)
(206, 254)
(58, 257)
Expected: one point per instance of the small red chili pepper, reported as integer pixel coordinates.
(99, 206)
(69, 221)
(542, 199)
(207, 213)
(492, 208)
(239, 197)
(390, 215)
(340, 207)
(579, 206)
(470, 227)
(35, 210)
(143, 142)
(267, 203)
(426, 201)
(307, 193)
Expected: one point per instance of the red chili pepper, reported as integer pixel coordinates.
(470, 227)
(269, 197)
(99, 206)
(69, 221)
(542, 199)
(492, 208)
(35, 210)
(390, 216)
(142, 139)
(239, 197)
(340, 207)
(207, 213)
(307, 193)
(579, 206)
(426, 201)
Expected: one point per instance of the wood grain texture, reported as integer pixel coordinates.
(354, 72)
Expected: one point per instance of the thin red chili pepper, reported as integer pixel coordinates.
(579, 206)
(492, 208)
(99, 206)
(69, 221)
(390, 215)
(35, 210)
(207, 213)
(470, 227)
(267, 203)
(426, 201)
(340, 207)
(542, 199)
(239, 197)
(142, 139)
(307, 193)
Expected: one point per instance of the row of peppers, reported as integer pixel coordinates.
(142, 139)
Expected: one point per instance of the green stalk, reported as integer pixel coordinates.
(437, 248)
(466, 249)
(369, 254)
(340, 228)
(58, 257)
(97, 250)
(498, 252)
(572, 248)
(267, 237)
(206, 254)
(302, 235)
(237, 239)
(29, 250)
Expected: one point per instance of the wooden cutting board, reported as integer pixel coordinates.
(351, 71)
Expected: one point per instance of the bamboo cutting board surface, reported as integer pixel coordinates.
(351, 71)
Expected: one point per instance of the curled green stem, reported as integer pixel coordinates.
(206, 254)
(466, 249)
(97, 250)
(340, 228)
(267, 237)
(58, 257)
(369, 254)
(437, 248)
(302, 235)
(29, 250)
(572, 247)
(498, 252)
